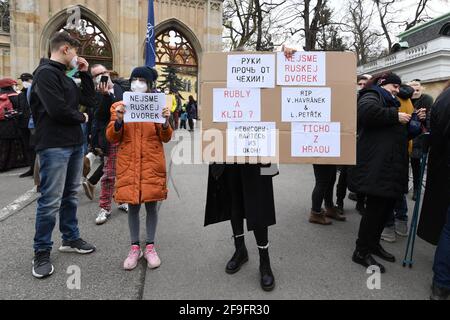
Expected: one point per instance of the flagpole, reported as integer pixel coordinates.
(150, 54)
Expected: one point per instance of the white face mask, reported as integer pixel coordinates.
(26, 84)
(139, 86)
(74, 62)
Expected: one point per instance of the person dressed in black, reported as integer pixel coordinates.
(420, 100)
(12, 150)
(325, 176)
(24, 121)
(192, 112)
(434, 225)
(239, 192)
(380, 172)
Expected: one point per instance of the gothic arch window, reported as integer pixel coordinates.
(95, 46)
(172, 48)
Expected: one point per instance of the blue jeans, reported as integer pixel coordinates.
(441, 266)
(84, 128)
(400, 212)
(60, 174)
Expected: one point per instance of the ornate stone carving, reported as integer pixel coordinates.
(197, 4)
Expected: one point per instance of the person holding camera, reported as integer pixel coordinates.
(12, 149)
(381, 171)
(107, 94)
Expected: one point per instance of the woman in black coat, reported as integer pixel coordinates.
(434, 225)
(243, 191)
(12, 151)
(381, 171)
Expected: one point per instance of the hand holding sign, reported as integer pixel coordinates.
(120, 111)
(145, 107)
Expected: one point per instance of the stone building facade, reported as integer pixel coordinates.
(117, 30)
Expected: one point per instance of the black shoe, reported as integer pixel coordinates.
(78, 246)
(42, 267)
(366, 260)
(239, 258)
(27, 174)
(267, 278)
(352, 196)
(383, 254)
(438, 293)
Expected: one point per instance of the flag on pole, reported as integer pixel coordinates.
(150, 54)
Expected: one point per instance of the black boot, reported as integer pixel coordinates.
(267, 278)
(239, 258)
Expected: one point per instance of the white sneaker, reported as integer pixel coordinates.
(102, 217)
(123, 207)
(401, 228)
(388, 235)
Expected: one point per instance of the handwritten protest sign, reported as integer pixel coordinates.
(304, 68)
(144, 107)
(237, 105)
(251, 139)
(312, 109)
(316, 140)
(306, 104)
(251, 71)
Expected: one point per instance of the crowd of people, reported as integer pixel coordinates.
(69, 114)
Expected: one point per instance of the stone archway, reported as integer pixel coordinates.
(97, 32)
(178, 47)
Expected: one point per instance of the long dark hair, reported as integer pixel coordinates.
(191, 100)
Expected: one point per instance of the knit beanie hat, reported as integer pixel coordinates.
(146, 73)
(389, 78)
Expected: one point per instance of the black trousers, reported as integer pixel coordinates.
(191, 124)
(323, 191)
(238, 211)
(378, 210)
(98, 174)
(341, 188)
(415, 164)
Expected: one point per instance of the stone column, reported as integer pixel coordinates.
(129, 36)
(24, 36)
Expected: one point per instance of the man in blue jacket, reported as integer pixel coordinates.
(55, 99)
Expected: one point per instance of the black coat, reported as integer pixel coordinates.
(437, 194)
(382, 152)
(103, 116)
(256, 191)
(55, 100)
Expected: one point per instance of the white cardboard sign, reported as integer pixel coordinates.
(251, 139)
(144, 107)
(303, 69)
(237, 105)
(306, 104)
(322, 140)
(251, 71)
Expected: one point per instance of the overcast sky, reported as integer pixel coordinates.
(405, 8)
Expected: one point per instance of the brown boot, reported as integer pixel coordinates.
(319, 218)
(334, 214)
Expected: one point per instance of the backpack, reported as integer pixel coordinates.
(6, 106)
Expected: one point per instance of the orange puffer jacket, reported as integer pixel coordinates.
(141, 164)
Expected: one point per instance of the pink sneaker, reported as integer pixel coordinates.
(133, 258)
(152, 257)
